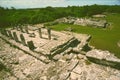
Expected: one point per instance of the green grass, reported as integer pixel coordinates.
(105, 39)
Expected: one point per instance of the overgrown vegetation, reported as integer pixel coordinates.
(3, 71)
(13, 17)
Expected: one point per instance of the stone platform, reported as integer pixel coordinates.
(27, 56)
(69, 67)
(42, 43)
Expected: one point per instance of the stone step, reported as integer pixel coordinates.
(61, 48)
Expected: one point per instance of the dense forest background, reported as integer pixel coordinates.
(13, 17)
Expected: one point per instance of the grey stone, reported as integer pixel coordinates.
(32, 35)
(64, 76)
(68, 56)
(10, 34)
(103, 57)
(54, 78)
(73, 65)
(43, 78)
(57, 57)
(21, 29)
(49, 33)
(40, 33)
(6, 33)
(26, 30)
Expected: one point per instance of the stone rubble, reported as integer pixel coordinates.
(99, 54)
(84, 21)
(67, 64)
(30, 68)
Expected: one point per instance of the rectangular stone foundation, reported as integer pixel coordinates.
(44, 47)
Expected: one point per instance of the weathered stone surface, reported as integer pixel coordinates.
(54, 46)
(68, 65)
(32, 35)
(84, 21)
(103, 57)
(43, 78)
(74, 76)
(30, 68)
(26, 30)
(49, 33)
(64, 76)
(21, 29)
(99, 16)
(68, 57)
(10, 34)
(57, 57)
(80, 56)
(73, 64)
(40, 33)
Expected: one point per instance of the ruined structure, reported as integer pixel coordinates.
(44, 54)
(104, 58)
(42, 41)
(92, 22)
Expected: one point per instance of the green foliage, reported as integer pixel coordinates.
(87, 62)
(12, 17)
(51, 23)
(3, 67)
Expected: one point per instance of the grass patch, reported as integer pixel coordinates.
(87, 62)
(105, 39)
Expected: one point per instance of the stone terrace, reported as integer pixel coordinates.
(43, 42)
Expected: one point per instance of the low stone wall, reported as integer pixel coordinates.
(103, 58)
(61, 48)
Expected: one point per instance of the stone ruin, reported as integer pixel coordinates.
(99, 16)
(42, 41)
(104, 58)
(52, 55)
(92, 22)
(84, 22)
